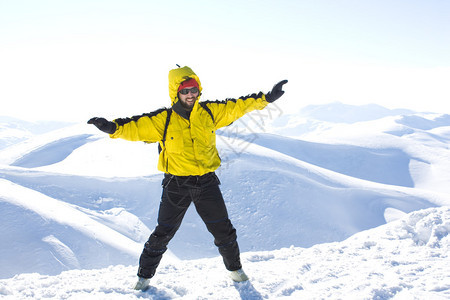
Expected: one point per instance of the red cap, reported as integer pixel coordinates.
(191, 82)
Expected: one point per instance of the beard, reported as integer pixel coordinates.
(188, 106)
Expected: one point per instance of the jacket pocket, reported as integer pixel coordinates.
(174, 142)
(212, 137)
(209, 138)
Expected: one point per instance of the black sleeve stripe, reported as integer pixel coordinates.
(254, 96)
(123, 121)
(216, 102)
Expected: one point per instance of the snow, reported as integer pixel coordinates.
(324, 208)
(404, 259)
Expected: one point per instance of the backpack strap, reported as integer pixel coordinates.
(205, 107)
(169, 113)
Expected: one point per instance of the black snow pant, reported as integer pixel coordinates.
(178, 193)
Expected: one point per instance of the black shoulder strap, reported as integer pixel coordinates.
(205, 107)
(169, 113)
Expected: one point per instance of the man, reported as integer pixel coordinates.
(188, 157)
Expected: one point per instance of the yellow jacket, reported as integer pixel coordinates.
(190, 146)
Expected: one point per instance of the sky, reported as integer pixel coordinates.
(72, 60)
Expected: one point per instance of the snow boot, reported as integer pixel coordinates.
(142, 284)
(238, 275)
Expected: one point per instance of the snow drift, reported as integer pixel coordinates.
(71, 200)
(404, 259)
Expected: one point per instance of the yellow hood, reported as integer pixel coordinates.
(176, 77)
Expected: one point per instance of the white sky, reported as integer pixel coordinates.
(71, 60)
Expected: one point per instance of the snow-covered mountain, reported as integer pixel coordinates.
(309, 193)
(13, 130)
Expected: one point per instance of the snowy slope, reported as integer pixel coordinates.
(13, 130)
(52, 231)
(404, 259)
(75, 199)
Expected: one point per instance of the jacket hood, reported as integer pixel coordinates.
(176, 77)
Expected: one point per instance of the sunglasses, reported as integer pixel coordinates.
(193, 90)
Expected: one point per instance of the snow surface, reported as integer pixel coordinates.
(323, 208)
(404, 259)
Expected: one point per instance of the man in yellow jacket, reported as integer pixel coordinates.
(188, 157)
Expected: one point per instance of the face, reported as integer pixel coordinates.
(188, 100)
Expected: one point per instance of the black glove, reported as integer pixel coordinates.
(276, 92)
(104, 125)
